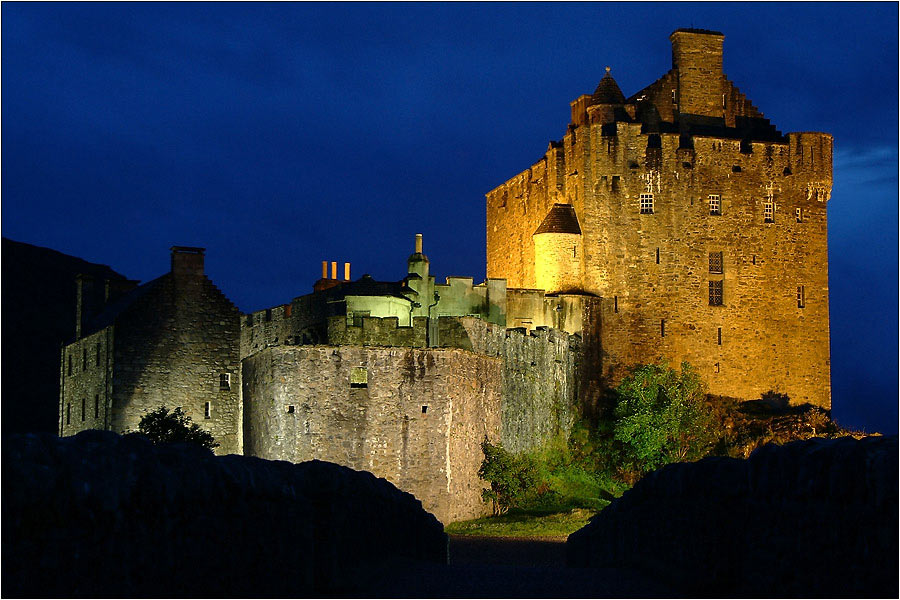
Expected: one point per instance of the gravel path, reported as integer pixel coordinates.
(482, 567)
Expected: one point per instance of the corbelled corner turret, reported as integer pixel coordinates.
(702, 228)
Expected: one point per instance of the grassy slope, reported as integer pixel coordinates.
(525, 523)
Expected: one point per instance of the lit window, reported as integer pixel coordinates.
(207, 409)
(799, 213)
(646, 204)
(225, 381)
(359, 377)
(715, 263)
(715, 293)
(769, 211)
(801, 296)
(715, 205)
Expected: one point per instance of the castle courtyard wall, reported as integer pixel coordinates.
(413, 416)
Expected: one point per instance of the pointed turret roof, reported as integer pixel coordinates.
(608, 91)
(560, 219)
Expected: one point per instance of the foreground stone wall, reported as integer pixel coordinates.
(807, 519)
(413, 416)
(99, 515)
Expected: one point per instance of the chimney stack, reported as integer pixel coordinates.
(346, 271)
(419, 243)
(187, 261)
(334, 269)
(697, 59)
(324, 269)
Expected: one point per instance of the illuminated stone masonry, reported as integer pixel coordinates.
(702, 230)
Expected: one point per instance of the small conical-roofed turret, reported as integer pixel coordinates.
(608, 91)
(558, 251)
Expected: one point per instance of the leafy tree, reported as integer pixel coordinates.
(512, 477)
(163, 427)
(661, 417)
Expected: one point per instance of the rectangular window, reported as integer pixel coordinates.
(715, 293)
(97, 353)
(82, 409)
(662, 328)
(225, 381)
(715, 204)
(801, 296)
(424, 409)
(657, 256)
(769, 212)
(715, 263)
(646, 204)
(97, 406)
(359, 377)
(289, 409)
(799, 213)
(207, 409)
(717, 367)
(720, 336)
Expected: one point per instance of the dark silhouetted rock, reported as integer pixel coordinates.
(811, 518)
(100, 514)
(38, 315)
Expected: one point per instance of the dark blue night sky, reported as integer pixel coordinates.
(281, 135)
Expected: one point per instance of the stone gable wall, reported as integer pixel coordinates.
(86, 376)
(171, 347)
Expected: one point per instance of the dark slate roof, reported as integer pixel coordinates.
(367, 286)
(608, 91)
(111, 311)
(560, 219)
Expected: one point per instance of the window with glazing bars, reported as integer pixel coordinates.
(715, 204)
(715, 293)
(769, 212)
(715, 262)
(801, 296)
(646, 204)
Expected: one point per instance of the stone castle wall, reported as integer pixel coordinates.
(653, 270)
(171, 349)
(413, 416)
(86, 376)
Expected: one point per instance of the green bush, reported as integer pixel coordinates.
(513, 478)
(661, 417)
(163, 427)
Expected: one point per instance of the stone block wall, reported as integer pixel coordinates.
(172, 347)
(813, 518)
(413, 416)
(653, 270)
(85, 383)
(269, 327)
(99, 515)
(377, 331)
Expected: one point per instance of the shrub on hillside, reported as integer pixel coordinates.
(513, 478)
(163, 427)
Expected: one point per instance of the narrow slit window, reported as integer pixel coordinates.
(69, 413)
(225, 381)
(657, 256)
(574, 255)
(715, 293)
(799, 213)
(84, 359)
(754, 259)
(83, 402)
(97, 353)
(801, 296)
(424, 409)
(719, 335)
(207, 409)
(662, 328)
(70, 364)
(717, 367)
(615, 304)
(96, 406)
(715, 204)
(646, 204)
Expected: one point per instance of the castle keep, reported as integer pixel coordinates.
(700, 228)
(675, 224)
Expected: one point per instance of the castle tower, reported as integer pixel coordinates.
(703, 229)
(558, 251)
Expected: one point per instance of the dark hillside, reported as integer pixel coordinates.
(38, 299)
